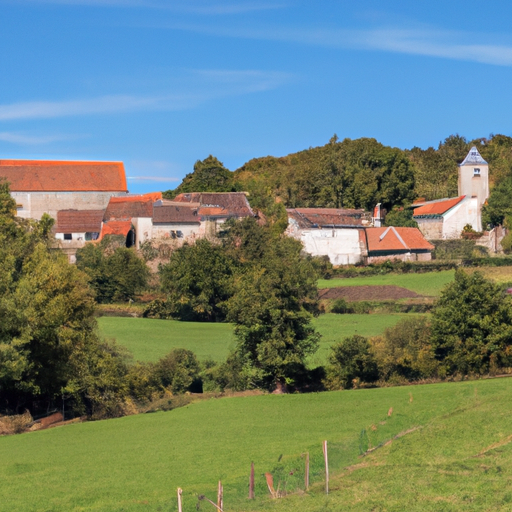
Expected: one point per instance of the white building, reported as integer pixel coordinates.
(446, 218)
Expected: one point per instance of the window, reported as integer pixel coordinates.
(68, 236)
(476, 172)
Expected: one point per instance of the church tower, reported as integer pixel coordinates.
(474, 178)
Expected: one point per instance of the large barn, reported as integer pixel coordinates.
(41, 186)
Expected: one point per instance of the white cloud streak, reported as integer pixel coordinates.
(153, 179)
(413, 41)
(17, 138)
(202, 8)
(209, 85)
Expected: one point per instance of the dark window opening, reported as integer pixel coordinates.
(68, 236)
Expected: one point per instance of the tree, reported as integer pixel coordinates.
(48, 341)
(499, 204)
(198, 282)
(116, 275)
(349, 361)
(472, 326)
(272, 308)
(209, 175)
(401, 217)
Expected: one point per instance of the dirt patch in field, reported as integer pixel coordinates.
(371, 293)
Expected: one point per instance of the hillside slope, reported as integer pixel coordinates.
(452, 452)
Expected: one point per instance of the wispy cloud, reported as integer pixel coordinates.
(197, 7)
(159, 171)
(420, 40)
(205, 85)
(153, 179)
(21, 139)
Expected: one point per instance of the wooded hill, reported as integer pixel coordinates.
(351, 173)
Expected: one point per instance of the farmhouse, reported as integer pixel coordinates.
(176, 220)
(333, 232)
(405, 244)
(347, 238)
(131, 217)
(446, 218)
(51, 186)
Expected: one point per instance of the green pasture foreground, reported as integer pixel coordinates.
(149, 340)
(454, 453)
(429, 284)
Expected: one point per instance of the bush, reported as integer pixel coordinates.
(351, 361)
(178, 371)
(340, 306)
(404, 351)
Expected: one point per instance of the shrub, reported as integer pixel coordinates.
(178, 371)
(349, 361)
(404, 352)
(340, 306)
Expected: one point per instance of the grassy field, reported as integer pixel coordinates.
(451, 450)
(429, 284)
(148, 340)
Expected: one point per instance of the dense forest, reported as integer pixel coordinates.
(353, 174)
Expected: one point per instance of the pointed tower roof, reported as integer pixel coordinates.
(473, 157)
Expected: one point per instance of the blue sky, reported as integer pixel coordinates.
(160, 84)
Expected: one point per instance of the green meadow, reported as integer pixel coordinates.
(149, 340)
(444, 447)
(429, 284)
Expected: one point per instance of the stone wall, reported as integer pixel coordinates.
(431, 229)
(32, 205)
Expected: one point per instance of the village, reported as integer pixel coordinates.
(90, 200)
(255, 256)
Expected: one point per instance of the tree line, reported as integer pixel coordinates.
(357, 174)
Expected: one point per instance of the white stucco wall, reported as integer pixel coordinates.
(474, 186)
(164, 230)
(143, 229)
(342, 246)
(466, 212)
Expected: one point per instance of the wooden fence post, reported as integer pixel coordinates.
(306, 475)
(326, 467)
(251, 482)
(180, 508)
(220, 496)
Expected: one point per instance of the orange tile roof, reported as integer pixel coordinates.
(437, 207)
(396, 239)
(65, 176)
(115, 227)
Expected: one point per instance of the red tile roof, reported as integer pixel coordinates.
(115, 227)
(223, 204)
(396, 239)
(437, 207)
(318, 217)
(128, 207)
(78, 221)
(175, 213)
(54, 176)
